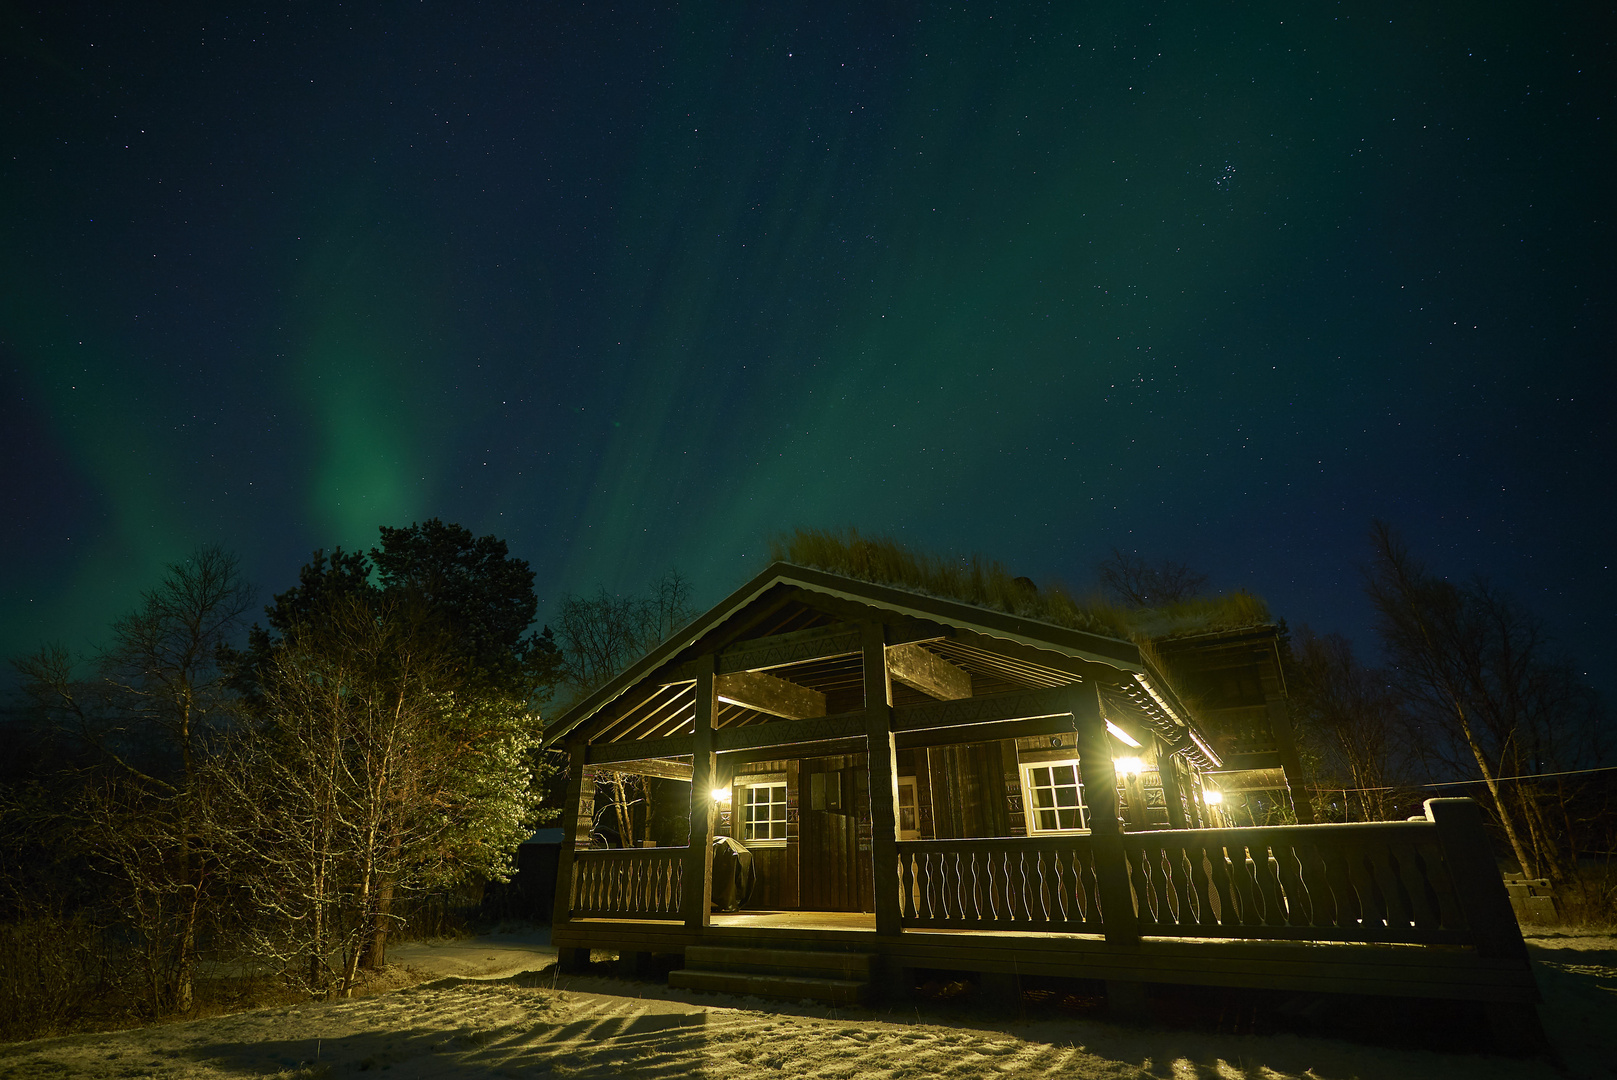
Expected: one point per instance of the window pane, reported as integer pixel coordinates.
(764, 812)
(1066, 774)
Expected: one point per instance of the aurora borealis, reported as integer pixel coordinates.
(638, 288)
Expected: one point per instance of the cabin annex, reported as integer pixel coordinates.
(930, 785)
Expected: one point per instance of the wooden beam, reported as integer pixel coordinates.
(928, 672)
(853, 744)
(1014, 705)
(659, 767)
(994, 730)
(778, 650)
(767, 694)
(787, 732)
(640, 749)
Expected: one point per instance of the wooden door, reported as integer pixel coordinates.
(834, 823)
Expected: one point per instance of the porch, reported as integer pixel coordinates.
(1404, 909)
(1043, 854)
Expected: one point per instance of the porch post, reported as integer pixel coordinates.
(1099, 774)
(577, 818)
(881, 757)
(697, 899)
(1168, 770)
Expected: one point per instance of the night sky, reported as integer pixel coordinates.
(640, 287)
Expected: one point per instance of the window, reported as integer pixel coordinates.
(763, 814)
(909, 822)
(1055, 797)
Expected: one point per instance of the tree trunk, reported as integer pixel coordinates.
(376, 942)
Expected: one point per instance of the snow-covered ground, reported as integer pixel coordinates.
(492, 1009)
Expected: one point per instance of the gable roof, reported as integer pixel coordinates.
(653, 698)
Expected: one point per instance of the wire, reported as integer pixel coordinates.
(1461, 783)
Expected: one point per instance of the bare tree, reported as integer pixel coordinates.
(1487, 691)
(1130, 579)
(375, 770)
(601, 635)
(1353, 719)
(149, 720)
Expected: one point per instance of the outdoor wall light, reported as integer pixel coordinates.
(1211, 797)
(1130, 766)
(721, 794)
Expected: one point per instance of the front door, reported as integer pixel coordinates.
(834, 823)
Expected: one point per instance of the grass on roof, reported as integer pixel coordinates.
(986, 583)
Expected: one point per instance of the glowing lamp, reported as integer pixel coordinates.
(1122, 735)
(1130, 766)
(1211, 797)
(721, 794)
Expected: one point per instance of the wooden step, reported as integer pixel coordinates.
(856, 967)
(780, 987)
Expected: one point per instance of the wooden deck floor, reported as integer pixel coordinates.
(1336, 967)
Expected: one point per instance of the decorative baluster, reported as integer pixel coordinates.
(1372, 907)
(1383, 862)
(1276, 900)
(1423, 902)
(1094, 914)
(1321, 901)
(1244, 887)
(1452, 915)
(1066, 906)
(1219, 861)
(962, 866)
(1140, 880)
(1197, 853)
(1293, 894)
(1178, 870)
(1161, 886)
(1265, 889)
(1349, 912)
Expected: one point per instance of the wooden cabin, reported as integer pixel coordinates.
(926, 784)
(1235, 685)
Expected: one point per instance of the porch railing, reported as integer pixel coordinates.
(1370, 882)
(1377, 881)
(1010, 883)
(635, 883)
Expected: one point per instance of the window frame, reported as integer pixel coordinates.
(1030, 810)
(742, 790)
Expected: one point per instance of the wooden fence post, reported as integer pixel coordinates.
(697, 900)
(1475, 873)
(1515, 1028)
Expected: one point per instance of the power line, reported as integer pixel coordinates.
(1461, 783)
